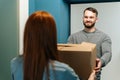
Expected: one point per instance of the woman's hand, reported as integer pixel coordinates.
(92, 75)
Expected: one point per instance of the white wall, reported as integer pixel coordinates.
(109, 22)
(23, 15)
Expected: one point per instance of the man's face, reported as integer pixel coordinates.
(89, 19)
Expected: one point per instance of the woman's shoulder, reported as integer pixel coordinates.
(16, 62)
(63, 70)
(17, 67)
(63, 67)
(17, 59)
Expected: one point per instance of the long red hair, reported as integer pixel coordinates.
(40, 44)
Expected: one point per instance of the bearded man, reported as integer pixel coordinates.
(91, 34)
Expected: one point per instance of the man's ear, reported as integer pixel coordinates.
(97, 19)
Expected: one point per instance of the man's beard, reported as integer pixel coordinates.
(88, 26)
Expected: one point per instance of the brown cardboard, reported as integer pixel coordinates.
(81, 57)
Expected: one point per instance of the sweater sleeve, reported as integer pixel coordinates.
(106, 51)
(70, 39)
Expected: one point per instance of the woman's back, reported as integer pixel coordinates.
(57, 70)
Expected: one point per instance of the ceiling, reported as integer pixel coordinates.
(88, 1)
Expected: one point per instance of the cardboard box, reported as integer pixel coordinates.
(81, 57)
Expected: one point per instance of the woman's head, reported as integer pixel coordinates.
(40, 34)
(40, 43)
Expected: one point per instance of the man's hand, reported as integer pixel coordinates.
(98, 65)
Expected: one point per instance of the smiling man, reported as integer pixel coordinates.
(91, 34)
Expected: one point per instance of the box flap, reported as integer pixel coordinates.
(77, 47)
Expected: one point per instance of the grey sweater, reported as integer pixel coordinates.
(97, 37)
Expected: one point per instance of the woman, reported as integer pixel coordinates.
(40, 56)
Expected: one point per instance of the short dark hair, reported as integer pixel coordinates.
(92, 9)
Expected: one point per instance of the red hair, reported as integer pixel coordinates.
(40, 44)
